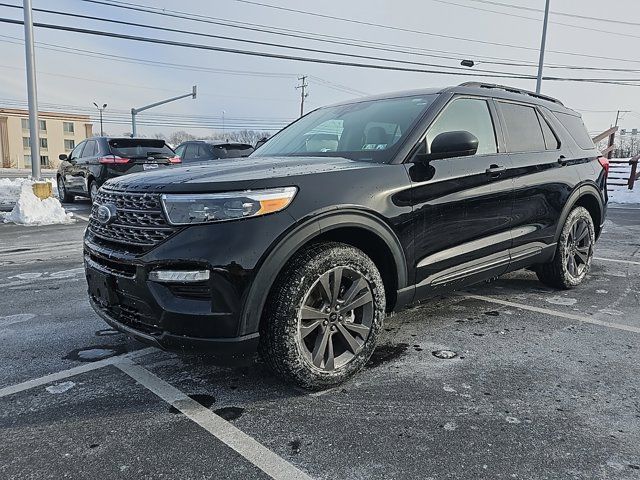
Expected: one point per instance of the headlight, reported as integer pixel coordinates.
(219, 207)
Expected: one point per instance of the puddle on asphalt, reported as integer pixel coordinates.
(295, 446)
(492, 313)
(229, 413)
(96, 352)
(202, 398)
(386, 353)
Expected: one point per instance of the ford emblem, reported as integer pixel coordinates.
(106, 213)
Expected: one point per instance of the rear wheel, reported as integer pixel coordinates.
(573, 253)
(63, 194)
(323, 317)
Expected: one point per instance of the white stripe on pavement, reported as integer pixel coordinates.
(555, 313)
(630, 262)
(252, 450)
(54, 377)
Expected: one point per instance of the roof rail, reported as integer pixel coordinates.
(512, 90)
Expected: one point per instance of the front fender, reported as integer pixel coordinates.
(286, 246)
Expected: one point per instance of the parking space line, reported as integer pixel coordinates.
(555, 313)
(87, 367)
(630, 262)
(81, 217)
(252, 450)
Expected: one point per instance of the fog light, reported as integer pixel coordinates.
(179, 275)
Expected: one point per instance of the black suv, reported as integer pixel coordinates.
(95, 160)
(349, 213)
(205, 150)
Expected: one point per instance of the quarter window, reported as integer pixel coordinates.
(467, 114)
(550, 139)
(576, 128)
(524, 133)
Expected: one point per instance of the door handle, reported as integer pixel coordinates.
(495, 170)
(562, 160)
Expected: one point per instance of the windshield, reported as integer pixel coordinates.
(368, 131)
(140, 148)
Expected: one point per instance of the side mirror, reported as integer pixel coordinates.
(63, 156)
(458, 143)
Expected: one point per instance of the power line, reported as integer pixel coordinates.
(409, 50)
(308, 59)
(253, 42)
(512, 15)
(562, 14)
(408, 30)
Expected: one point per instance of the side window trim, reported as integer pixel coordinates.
(494, 121)
(543, 118)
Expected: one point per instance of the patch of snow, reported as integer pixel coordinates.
(557, 300)
(95, 354)
(27, 276)
(18, 318)
(30, 210)
(60, 387)
(608, 311)
(602, 291)
(449, 389)
(513, 420)
(450, 426)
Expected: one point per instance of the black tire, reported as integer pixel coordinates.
(286, 335)
(63, 195)
(574, 252)
(93, 190)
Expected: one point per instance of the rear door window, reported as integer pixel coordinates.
(524, 133)
(576, 129)
(467, 114)
(89, 150)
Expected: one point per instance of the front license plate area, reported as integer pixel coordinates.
(102, 288)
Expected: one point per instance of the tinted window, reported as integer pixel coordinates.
(190, 151)
(360, 128)
(77, 152)
(140, 148)
(467, 114)
(89, 149)
(180, 150)
(233, 150)
(524, 133)
(576, 128)
(550, 139)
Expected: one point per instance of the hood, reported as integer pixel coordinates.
(234, 174)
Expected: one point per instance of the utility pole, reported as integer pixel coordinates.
(101, 110)
(136, 111)
(32, 91)
(542, 46)
(303, 93)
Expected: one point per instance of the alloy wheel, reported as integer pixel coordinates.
(93, 192)
(579, 244)
(335, 318)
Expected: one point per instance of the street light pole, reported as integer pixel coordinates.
(32, 91)
(101, 110)
(136, 111)
(542, 46)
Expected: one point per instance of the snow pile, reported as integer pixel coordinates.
(30, 210)
(623, 195)
(10, 191)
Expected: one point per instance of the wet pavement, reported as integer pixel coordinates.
(509, 379)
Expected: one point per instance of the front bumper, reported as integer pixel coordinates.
(204, 316)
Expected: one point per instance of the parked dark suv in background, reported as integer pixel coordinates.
(351, 212)
(206, 150)
(95, 160)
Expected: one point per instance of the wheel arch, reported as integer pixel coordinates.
(587, 196)
(361, 229)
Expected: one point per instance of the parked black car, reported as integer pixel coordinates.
(205, 150)
(95, 160)
(300, 252)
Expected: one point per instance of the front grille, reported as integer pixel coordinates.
(139, 220)
(109, 266)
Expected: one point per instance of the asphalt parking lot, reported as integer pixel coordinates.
(544, 384)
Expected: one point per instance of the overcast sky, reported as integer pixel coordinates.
(268, 97)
